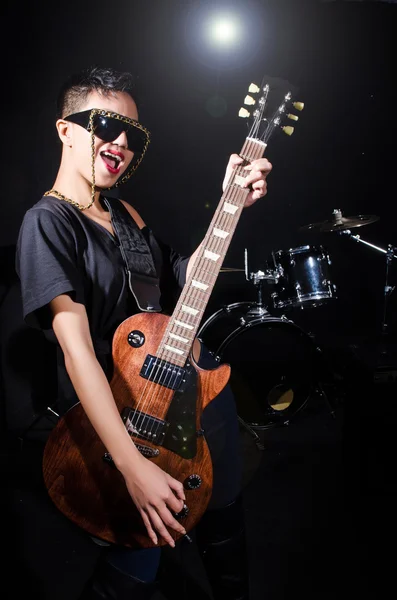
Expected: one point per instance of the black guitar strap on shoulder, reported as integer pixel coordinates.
(143, 279)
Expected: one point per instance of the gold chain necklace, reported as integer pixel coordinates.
(60, 196)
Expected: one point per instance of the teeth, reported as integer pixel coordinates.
(113, 156)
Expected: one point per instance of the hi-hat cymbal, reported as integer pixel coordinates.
(340, 223)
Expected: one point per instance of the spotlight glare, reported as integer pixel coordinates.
(223, 31)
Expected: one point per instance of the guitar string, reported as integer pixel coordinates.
(222, 220)
(163, 355)
(194, 298)
(153, 373)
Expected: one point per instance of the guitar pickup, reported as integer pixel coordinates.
(163, 372)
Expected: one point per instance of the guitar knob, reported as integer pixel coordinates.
(136, 338)
(192, 482)
(183, 513)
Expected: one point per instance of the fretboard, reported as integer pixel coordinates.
(186, 318)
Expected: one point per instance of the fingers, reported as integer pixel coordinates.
(149, 527)
(159, 520)
(253, 177)
(158, 517)
(256, 175)
(259, 189)
(260, 164)
(235, 160)
(175, 504)
(177, 487)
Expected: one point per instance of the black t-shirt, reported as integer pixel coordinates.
(62, 251)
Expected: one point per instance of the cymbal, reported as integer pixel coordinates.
(340, 223)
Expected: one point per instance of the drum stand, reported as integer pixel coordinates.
(253, 433)
(258, 278)
(388, 289)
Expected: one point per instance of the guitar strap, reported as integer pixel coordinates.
(143, 279)
(140, 261)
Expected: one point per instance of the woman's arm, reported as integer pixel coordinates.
(154, 492)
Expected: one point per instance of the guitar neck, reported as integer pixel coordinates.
(186, 318)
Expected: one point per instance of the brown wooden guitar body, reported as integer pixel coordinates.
(90, 491)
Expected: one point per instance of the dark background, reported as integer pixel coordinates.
(337, 57)
(340, 57)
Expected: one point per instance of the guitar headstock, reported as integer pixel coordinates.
(266, 120)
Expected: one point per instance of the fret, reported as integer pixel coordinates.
(182, 329)
(185, 334)
(173, 350)
(220, 233)
(239, 180)
(191, 311)
(174, 328)
(205, 292)
(193, 300)
(179, 323)
(219, 247)
(230, 208)
(210, 273)
(201, 277)
(211, 255)
(178, 338)
(200, 285)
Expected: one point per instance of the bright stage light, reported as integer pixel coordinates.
(224, 38)
(224, 30)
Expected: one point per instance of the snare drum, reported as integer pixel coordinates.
(304, 277)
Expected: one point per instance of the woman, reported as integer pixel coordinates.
(75, 288)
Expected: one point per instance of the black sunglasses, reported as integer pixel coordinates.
(107, 126)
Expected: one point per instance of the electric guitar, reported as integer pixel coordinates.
(158, 388)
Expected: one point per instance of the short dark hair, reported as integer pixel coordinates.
(74, 92)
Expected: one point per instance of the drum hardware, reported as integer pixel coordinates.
(340, 223)
(253, 433)
(390, 253)
(258, 278)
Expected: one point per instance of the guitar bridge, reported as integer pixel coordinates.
(146, 451)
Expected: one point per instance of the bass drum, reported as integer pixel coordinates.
(272, 361)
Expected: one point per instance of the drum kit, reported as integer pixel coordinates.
(275, 363)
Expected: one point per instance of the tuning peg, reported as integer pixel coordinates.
(253, 88)
(243, 112)
(249, 100)
(293, 117)
(298, 105)
(288, 130)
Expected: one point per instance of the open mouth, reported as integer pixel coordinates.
(112, 160)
